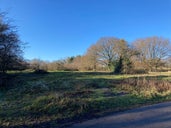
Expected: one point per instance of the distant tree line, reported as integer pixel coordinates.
(107, 54)
(116, 55)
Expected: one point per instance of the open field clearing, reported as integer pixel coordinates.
(64, 62)
(57, 99)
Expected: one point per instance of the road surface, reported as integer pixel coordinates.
(153, 116)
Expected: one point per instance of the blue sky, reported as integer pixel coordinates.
(55, 29)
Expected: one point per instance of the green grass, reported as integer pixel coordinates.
(59, 98)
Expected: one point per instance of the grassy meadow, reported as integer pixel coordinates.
(58, 99)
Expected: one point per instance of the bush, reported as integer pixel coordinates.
(139, 71)
(40, 71)
(146, 87)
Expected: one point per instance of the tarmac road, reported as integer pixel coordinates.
(153, 116)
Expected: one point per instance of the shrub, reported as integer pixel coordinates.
(139, 71)
(40, 71)
(146, 87)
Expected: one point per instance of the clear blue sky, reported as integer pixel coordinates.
(55, 29)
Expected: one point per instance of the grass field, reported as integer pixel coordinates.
(57, 99)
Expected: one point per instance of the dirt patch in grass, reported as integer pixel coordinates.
(111, 94)
(78, 94)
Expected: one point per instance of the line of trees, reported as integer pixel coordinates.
(107, 54)
(116, 55)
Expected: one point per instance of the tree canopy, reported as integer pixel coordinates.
(152, 51)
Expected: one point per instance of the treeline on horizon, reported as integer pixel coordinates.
(107, 54)
(115, 55)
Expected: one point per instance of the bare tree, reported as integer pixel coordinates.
(103, 51)
(10, 46)
(37, 64)
(92, 57)
(152, 50)
(107, 51)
